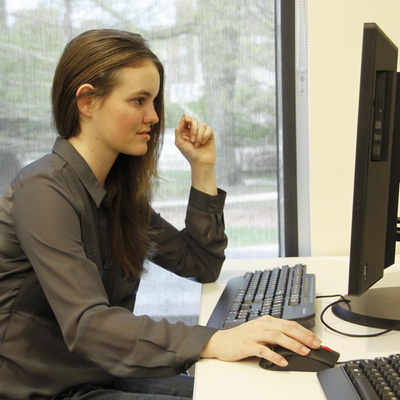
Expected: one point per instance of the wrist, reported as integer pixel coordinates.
(204, 180)
(209, 350)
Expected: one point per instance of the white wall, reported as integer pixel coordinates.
(335, 41)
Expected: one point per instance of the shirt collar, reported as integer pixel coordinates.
(71, 156)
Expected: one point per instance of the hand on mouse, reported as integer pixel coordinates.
(255, 338)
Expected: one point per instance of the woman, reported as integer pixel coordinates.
(76, 228)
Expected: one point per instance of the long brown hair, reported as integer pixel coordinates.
(95, 57)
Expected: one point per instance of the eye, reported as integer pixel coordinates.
(139, 101)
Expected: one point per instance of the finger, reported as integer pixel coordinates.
(288, 334)
(301, 334)
(182, 130)
(278, 338)
(203, 135)
(182, 125)
(270, 355)
(207, 134)
(291, 328)
(193, 127)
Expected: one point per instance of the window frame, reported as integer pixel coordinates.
(285, 25)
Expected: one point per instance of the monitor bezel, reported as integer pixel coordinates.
(375, 196)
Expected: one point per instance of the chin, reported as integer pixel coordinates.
(136, 152)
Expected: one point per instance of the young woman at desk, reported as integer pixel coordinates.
(76, 227)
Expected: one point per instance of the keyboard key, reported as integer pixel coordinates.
(365, 389)
(233, 323)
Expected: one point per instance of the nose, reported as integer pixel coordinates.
(151, 116)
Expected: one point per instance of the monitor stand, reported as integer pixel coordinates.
(376, 308)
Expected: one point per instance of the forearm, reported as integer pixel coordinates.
(198, 250)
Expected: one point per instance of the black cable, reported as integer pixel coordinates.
(343, 300)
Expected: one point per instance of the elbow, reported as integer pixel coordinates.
(211, 274)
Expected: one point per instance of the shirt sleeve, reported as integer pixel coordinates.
(47, 225)
(197, 251)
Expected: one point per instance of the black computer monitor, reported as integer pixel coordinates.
(376, 187)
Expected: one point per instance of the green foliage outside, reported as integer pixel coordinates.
(223, 50)
(32, 40)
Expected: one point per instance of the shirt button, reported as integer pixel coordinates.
(213, 204)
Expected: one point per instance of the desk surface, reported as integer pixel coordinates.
(216, 379)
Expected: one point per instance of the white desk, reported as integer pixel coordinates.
(245, 380)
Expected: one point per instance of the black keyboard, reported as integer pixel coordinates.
(283, 292)
(370, 379)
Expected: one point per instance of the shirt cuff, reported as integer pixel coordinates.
(192, 347)
(206, 202)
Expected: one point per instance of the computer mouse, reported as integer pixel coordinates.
(316, 360)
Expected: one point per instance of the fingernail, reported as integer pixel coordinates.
(305, 349)
(317, 343)
(283, 362)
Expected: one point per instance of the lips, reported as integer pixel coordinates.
(145, 134)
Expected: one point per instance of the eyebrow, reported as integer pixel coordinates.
(144, 93)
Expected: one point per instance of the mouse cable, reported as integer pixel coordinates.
(343, 300)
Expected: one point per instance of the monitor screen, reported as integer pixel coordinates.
(376, 186)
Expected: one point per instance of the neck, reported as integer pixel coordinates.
(97, 161)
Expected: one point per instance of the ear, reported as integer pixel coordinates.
(85, 103)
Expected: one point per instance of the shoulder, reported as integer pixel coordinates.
(42, 183)
(48, 166)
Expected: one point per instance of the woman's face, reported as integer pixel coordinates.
(122, 121)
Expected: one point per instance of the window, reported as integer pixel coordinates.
(228, 62)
